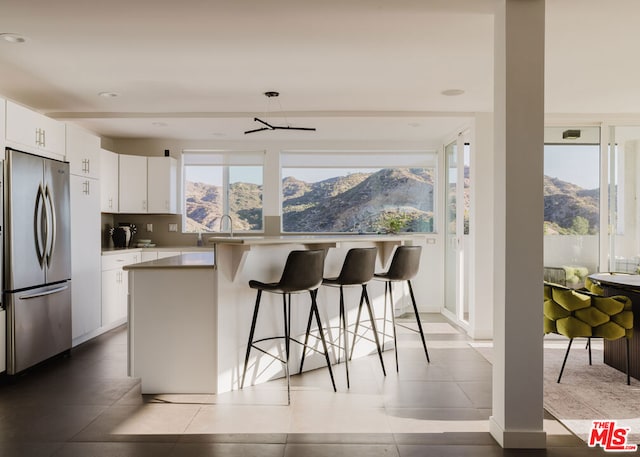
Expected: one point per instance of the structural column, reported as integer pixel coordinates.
(517, 420)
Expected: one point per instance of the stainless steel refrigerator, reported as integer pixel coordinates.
(37, 259)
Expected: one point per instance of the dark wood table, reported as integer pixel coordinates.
(615, 351)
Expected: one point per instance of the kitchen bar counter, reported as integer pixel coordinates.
(189, 317)
(173, 324)
(240, 245)
(188, 260)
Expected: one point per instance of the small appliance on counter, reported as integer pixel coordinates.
(123, 234)
(145, 244)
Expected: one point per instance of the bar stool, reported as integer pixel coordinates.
(404, 266)
(302, 272)
(357, 270)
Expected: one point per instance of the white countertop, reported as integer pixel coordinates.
(111, 251)
(189, 260)
(310, 239)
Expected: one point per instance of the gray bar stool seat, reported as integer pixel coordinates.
(357, 270)
(302, 272)
(404, 266)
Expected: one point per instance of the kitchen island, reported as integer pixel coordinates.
(203, 312)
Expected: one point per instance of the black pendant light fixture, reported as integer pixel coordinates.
(268, 126)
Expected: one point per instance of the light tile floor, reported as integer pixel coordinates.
(85, 405)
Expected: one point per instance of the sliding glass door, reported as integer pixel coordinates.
(457, 194)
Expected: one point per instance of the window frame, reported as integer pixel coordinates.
(224, 159)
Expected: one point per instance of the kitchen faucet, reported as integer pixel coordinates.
(230, 224)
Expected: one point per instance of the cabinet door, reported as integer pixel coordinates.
(33, 131)
(108, 181)
(132, 189)
(111, 295)
(83, 152)
(161, 185)
(85, 255)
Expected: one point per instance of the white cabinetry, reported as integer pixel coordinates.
(83, 152)
(132, 189)
(108, 181)
(115, 287)
(83, 149)
(85, 257)
(3, 123)
(33, 132)
(161, 184)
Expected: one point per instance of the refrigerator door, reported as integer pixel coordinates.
(57, 254)
(24, 223)
(38, 324)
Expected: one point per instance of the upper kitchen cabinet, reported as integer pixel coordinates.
(162, 184)
(83, 152)
(132, 188)
(108, 181)
(33, 132)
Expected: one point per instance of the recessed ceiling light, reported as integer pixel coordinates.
(108, 94)
(413, 124)
(452, 92)
(13, 37)
(159, 124)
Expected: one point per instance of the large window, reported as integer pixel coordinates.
(571, 204)
(222, 183)
(365, 192)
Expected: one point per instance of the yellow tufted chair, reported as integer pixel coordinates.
(577, 314)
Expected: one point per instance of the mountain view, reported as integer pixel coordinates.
(570, 209)
(388, 200)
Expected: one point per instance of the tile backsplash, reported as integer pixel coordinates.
(160, 223)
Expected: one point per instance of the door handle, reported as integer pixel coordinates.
(43, 294)
(51, 231)
(38, 221)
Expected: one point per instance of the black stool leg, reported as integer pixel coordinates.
(565, 359)
(589, 347)
(355, 330)
(415, 310)
(314, 307)
(343, 333)
(393, 320)
(250, 343)
(287, 324)
(306, 340)
(373, 325)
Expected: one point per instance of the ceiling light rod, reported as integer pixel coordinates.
(268, 126)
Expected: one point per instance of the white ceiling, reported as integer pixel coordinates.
(353, 69)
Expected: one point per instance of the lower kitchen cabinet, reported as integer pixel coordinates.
(115, 287)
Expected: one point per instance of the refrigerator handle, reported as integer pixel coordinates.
(51, 226)
(43, 294)
(37, 221)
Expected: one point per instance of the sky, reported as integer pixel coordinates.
(213, 175)
(577, 164)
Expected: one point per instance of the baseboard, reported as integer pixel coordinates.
(517, 439)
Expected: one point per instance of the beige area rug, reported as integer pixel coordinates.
(585, 393)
